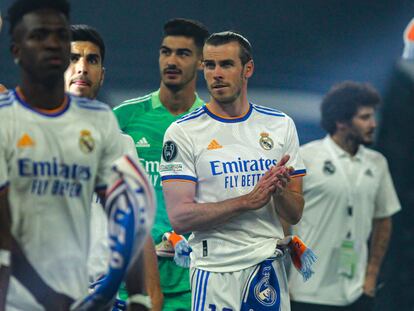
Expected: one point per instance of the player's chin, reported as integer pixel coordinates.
(81, 92)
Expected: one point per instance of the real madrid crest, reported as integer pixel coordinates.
(86, 141)
(265, 141)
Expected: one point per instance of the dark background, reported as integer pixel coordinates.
(300, 49)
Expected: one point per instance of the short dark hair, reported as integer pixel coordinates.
(220, 38)
(87, 33)
(22, 7)
(343, 100)
(187, 28)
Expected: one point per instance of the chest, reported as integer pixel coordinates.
(47, 147)
(236, 155)
(147, 131)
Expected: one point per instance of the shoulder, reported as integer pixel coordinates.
(374, 156)
(143, 103)
(269, 111)
(312, 148)
(89, 104)
(6, 99)
(191, 117)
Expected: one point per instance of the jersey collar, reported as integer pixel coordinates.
(156, 102)
(44, 112)
(340, 153)
(224, 119)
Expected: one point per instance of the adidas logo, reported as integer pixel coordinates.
(25, 141)
(142, 143)
(214, 145)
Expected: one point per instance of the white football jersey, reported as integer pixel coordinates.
(226, 158)
(52, 162)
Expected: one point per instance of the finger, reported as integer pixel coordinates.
(283, 160)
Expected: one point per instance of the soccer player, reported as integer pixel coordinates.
(84, 77)
(146, 119)
(230, 171)
(55, 150)
(349, 197)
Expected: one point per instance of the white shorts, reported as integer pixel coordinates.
(260, 287)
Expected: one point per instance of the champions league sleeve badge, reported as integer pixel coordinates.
(169, 151)
(86, 141)
(265, 141)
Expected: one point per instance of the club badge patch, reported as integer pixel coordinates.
(86, 141)
(265, 141)
(328, 168)
(169, 151)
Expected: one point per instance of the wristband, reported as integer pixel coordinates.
(141, 300)
(4, 257)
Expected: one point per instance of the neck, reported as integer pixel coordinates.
(236, 108)
(178, 101)
(346, 143)
(44, 95)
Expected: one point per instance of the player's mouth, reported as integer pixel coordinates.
(172, 72)
(54, 60)
(81, 82)
(219, 86)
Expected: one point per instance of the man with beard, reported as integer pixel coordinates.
(231, 171)
(146, 119)
(55, 151)
(349, 196)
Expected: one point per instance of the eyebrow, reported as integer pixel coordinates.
(179, 49)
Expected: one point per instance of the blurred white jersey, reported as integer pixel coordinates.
(226, 158)
(99, 247)
(51, 163)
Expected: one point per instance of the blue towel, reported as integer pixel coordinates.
(130, 206)
(262, 291)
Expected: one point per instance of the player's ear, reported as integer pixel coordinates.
(249, 69)
(102, 76)
(14, 49)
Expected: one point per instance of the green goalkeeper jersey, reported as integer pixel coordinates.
(146, 119)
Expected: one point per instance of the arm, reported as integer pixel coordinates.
(152, 276)
(186, 215)
(381, 233)
(135, 283)
(288, 198)
(5, 247)
(289, 202)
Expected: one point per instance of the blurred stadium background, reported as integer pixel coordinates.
(301, 48)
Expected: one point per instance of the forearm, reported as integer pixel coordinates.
(203, 216)
(152, 275)
(380, 237)
(289, 205)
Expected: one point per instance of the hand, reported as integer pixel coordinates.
(370, 285)
(282, 173)
(262, 192)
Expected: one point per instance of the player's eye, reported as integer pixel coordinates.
(93, 59)
(165, 52)
(74, 58)
(209, 65)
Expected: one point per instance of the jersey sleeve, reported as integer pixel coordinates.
(386, 200)
(177, 158)
(113, 148)
(292, 149)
